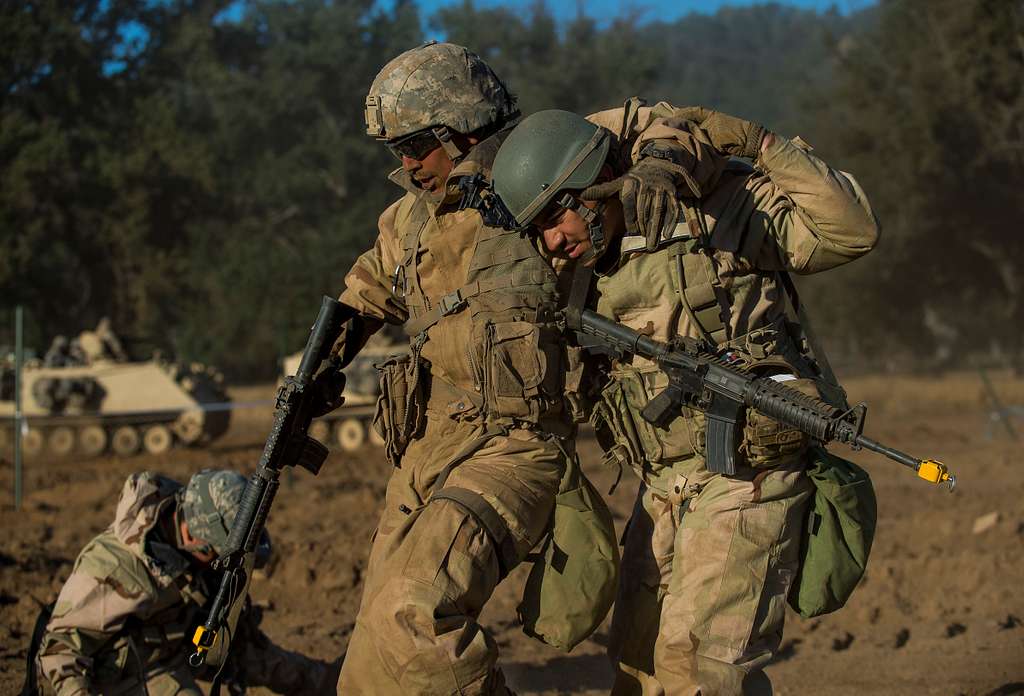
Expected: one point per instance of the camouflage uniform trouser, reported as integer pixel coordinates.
(707, 564)
(172, 681)
(262, 662)
(433, 566)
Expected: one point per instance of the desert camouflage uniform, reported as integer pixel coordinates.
(123, 620)
(709, 559)
(489, 377)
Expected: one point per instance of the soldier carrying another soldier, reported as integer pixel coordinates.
(474, 418)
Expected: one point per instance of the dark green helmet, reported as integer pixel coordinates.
(548, 152)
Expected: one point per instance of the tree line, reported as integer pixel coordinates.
(202, 177)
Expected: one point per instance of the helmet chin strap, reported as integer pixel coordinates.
(450, 148)
(595, 227)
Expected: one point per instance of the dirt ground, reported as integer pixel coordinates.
(940, 610)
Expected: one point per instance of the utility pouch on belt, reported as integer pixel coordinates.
(636, 441)
(515, 365)
(572, 584)
(837, 536)
(401, 404)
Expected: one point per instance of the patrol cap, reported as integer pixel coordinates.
(210, 504)
(548, 152)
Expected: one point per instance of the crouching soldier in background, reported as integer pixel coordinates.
(688, 240)
(122, 621)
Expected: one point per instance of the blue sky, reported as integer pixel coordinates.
(648, 9)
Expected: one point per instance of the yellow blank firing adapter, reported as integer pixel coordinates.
(935, 472)
(203, 640)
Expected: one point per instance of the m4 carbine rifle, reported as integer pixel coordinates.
(287, 445)
(701, 379)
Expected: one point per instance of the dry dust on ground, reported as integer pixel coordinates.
(940, 610)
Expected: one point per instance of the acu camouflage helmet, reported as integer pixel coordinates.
(437, 85)
(210, 504)
(549, 152)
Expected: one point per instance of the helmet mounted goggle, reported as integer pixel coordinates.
(415, 145)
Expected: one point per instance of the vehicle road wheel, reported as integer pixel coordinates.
(320, 430)
(32, 442)
(92, 440)
(125, 441)
(350, 434)
(189, 427)
(157, 439)
(376, 439)
(61, 441)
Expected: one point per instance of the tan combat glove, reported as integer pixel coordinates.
(729, 134)
(649, 193)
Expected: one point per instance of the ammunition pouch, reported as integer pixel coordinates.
(634, 442)
(401, 406)
(520, 371)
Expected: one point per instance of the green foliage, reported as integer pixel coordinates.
(927, 110)
(203, 181)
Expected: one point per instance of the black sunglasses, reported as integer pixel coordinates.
(415, 145)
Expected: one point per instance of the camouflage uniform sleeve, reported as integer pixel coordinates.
(368, 286)
(812, 217)
(634, 126)
(98, 597)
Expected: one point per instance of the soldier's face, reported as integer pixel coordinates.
(199, 549)
(426, 161)
(431, 171)
(565, 232)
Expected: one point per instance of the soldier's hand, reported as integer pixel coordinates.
(327, 387)
(648, 193)
(767, 442)
(729, 134)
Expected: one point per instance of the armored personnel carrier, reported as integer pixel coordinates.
(351, 425)
(86, 397)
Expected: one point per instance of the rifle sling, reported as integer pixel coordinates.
(838, 397)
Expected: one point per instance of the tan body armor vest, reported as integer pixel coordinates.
(513, 347)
